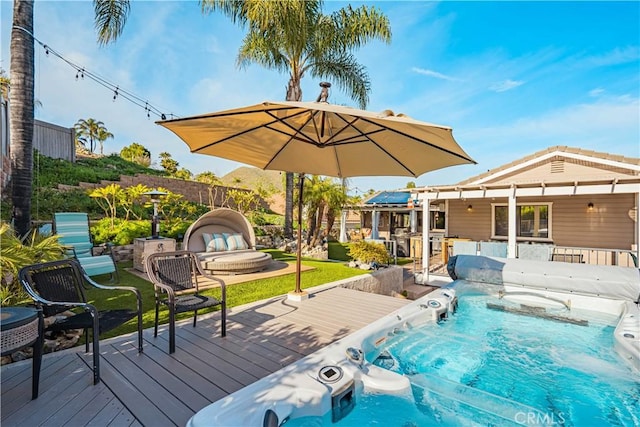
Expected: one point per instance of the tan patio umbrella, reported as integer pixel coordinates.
(321, 139)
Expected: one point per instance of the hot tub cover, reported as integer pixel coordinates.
(614, 282)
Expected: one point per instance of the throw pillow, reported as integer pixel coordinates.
(207, 239)
(217, 243)
(235, 241)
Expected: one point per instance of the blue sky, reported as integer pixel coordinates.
(510, 78)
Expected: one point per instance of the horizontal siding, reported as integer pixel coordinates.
(609, 225)
(474, 224)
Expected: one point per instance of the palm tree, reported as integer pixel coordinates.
(314, 200)
(103, 135)
(296, 37)
(110, 17)
(91, 130)
(336, 198)
(323, 197)
(21, 73)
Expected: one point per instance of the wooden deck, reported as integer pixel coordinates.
(158, 389)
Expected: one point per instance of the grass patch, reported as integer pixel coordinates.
(237, 294)
(339, 251)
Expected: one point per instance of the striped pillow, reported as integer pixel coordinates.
(216, 243)
(235, 241)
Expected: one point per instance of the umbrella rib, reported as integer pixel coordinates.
(422, 141)
(267, 125)
(293, 136)
(296, 131)
(383, 128)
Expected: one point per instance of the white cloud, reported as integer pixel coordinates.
(505, 85)
(596, 92)
(435, 74)
(617, 56)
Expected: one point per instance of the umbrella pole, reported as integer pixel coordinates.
(299, 246)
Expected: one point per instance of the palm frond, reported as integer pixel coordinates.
(110, 17)
(236, 10)
(350, 76)
(256, 48)
(355, 27)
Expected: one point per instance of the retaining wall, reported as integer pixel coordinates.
(386, 281)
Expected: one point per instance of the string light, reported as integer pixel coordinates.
(114, 88)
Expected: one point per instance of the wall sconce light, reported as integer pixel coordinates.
(590, 206)
(469, 208)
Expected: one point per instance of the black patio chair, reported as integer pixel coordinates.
(177, 279)
(59, 286)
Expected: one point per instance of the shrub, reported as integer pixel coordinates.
(17, 253)
(365, 251)
(47, 201)
(174, 229)
(122, 233)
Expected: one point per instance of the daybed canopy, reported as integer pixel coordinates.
(219, 220)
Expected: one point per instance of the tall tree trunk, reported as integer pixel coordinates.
(294, 93)
(311, 221)
(288, 206)
(21, 114)
(318, 225)
(331, 219)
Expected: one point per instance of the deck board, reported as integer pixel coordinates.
(156, 388)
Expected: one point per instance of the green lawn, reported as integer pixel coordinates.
(237, 294)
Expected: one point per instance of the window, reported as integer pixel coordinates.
(532, 221)
(437, 220)
(401, 220)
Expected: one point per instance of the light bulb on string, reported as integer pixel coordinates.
(80, 73)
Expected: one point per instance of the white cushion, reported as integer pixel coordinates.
(235, 241)
(216, 243)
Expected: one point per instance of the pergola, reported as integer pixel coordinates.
(480, 190)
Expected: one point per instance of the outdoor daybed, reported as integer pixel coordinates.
(225, 243)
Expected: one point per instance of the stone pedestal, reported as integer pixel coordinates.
(143, 247)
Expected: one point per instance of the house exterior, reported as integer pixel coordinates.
(561, 196)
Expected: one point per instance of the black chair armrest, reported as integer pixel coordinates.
(97, 285)
(42, 301)
(171, 294)
(223, 286)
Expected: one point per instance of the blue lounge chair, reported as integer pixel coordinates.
(73, 231)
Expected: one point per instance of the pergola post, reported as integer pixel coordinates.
(637, 239)
(426, 238)
(512, 236)
(343, 226)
